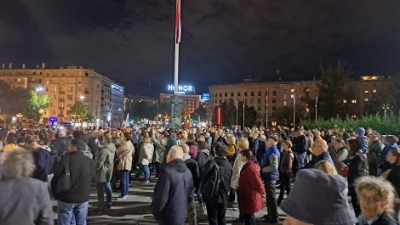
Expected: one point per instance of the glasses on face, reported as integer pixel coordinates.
(316, 146)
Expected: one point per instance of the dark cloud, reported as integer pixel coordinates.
(223, 41)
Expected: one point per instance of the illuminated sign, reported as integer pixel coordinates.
(181, 88)
(205, 97)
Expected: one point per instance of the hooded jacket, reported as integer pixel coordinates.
(172, 193)
(104, 163)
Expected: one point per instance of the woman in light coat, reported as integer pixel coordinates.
(146, 157)
(125, 152)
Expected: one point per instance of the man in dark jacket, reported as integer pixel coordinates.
(320, 152)
(216, 207)
(74, 203)
(173, 191)
(300, 148)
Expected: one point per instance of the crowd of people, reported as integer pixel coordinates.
(210, 168)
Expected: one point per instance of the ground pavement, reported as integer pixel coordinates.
(136, 208)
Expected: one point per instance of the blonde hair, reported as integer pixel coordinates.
(243, 143)
(18, 164)
(230, 139)
(326, 167)
(384, 189)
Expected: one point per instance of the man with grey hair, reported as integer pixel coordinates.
(320, 152)
(269, 173)
(173, 191)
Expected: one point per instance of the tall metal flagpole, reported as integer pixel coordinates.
(316, 108)
(244, 103)
(176, 110)
(237, 113)
(266, 109)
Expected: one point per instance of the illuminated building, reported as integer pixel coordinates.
(280, 93)
(66, 86)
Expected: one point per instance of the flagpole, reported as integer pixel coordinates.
(244, 103)
(176, 110)
(266, 109)
(316, 108)
(237, 113)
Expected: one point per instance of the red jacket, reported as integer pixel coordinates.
(250, 189)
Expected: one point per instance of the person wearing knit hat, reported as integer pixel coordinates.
(363, 141)
(390, 144)
(318, 198)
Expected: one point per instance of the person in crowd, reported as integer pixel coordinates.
(208, 139)
(78, 134)
(220, 137)
(171, 140)
(194, 170)
(74, 203)
(253, 143)
(29, 202)
(160, 151)
(340, 154)
(285, 169)
(146, 157)
(390, 143)
(326, 167)
(232, 148)
(269, 173)
(252, 189)
(124, 164)
(393, 174)
(204, 155)
(320, 152)
(261, 148)
(243, 144)
(41, 159)
(376, 198)
(183, 137)
(318, 198)
(10, 145)
(358, 167)
(194, 147)
(173, 191)
(375, 150)
(216, 205)
(300, 145)
(104, 163)
(361, 139)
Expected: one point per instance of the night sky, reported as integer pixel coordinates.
(223, 41)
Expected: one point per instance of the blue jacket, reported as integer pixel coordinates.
(316, 159)
(363, 142)
(266, 162)
(173, 191)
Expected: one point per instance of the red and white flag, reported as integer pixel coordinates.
(178, 29)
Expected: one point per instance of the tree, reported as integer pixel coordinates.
(19, 98)
(284, 114)
(334, 90)
(199, 112)
(228, 114)
(80, 111)
(36, 104)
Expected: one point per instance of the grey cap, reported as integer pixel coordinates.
(320, 199)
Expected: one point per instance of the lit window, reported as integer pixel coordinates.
(284, 103)
(366, 91)
(365, 99)
(344, 101)
(292, 90)
(374, 91)
(353, 101)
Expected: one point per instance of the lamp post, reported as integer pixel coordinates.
(385, 107)
(293, 96)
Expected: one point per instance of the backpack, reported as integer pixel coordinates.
(212, 185)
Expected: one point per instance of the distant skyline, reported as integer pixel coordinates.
(223, 41)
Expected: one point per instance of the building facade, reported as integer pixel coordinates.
(267, 97)
(66, 86)
(190, 102)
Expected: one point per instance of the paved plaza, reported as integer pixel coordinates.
(136, 209)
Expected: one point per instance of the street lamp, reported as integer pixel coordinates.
(293, 96)
(385, 107)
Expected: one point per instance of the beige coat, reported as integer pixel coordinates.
(125, 153)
